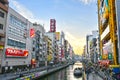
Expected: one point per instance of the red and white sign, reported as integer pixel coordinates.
(10, 52)
(32, 32)
(104, 62)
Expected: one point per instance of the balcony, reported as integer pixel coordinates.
(2, 43)
(5, 8)
(2, 35)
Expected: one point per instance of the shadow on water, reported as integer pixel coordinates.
(64, 74)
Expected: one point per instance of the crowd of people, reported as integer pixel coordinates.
(90, 67)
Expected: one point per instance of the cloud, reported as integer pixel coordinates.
(21, 9)
(86, 1)
(76, 42)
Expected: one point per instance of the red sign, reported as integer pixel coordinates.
(16, 53)
(32, 32)
(33, 61)
(104, 62)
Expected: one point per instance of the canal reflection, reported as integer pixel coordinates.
(64, 74)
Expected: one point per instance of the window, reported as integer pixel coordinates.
(16, 43)
(1, 26)
(1, 14)
(10, 42)
(0, 38)
(33, 49)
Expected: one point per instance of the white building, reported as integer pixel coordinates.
(38, 45)
(52, 36)
(62, 44)
(3, 19)
(16, 52)
(92, 49)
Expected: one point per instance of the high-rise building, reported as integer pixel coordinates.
(3, 19)
(16, 51)
(38, 46)
(52, 25)
(52, 36)
(49, 49)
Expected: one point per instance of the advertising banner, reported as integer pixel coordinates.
(57, 35)
(10, 52)
(32, 32)
(118, 24)
(104, 11)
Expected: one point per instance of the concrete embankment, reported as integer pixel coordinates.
(36, 75)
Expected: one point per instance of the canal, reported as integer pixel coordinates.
(64, 74)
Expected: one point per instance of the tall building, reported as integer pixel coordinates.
(52, 36)
(3, 19)
(88, 39)
(49, 49)
(66, 49)
(62, 44)
(38, 46)
(52, 25)
(109, 30)
(92, 46)
(16, 52)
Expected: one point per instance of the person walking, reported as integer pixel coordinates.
(87, 71)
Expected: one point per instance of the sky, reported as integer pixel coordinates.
(76, 18)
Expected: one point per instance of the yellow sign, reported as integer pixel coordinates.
(49, 57)
(1, 47)
(57, 35)
(104, 56)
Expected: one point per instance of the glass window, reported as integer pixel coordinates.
(10, 42)
(16, 43)
(1, 26)
(1, 14)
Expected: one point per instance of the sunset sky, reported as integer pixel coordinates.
(76, 18)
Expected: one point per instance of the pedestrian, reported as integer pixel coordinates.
(47, 68)
(87, 71)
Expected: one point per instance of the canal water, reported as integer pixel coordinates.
(64, 74)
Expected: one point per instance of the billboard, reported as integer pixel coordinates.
(52, 25)
(10, 52)
(32, 32)
(57, 35)
(104, 11)
(118, 24)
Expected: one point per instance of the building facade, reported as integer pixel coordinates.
(38, 46)
(49, 49)
(17, 36)
(52, 36)
(3, 20)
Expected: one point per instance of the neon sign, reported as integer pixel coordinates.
(10, 52)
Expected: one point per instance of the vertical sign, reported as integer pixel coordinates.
(118, 25)
(57, 35)
(52, 25)
(32, 32)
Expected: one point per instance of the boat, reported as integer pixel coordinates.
(78, 71)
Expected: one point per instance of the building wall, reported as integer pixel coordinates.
(16, 27)
(38, 44)
(3, 19)
(52, 36)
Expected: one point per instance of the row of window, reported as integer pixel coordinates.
(16, 31)
(15, 21)
(15, 34)
(14, 43)
(1, 14)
